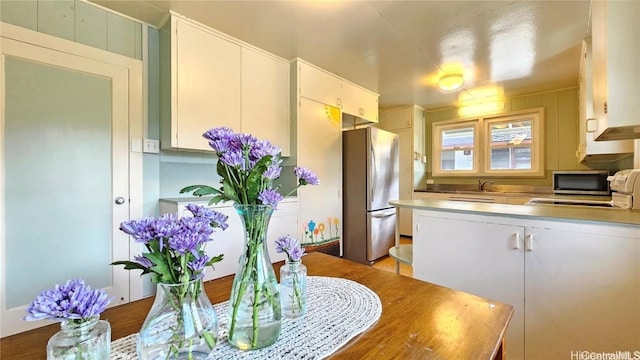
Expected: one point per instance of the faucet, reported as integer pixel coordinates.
(481, 184)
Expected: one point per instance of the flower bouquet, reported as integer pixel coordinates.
(181, 322)
(248, 167)
(83, 335)
(293, 278)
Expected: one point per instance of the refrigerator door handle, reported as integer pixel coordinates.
(373, 177)
(379, 214)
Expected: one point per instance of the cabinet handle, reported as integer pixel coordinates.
(528, 242)
(339, 102)
(516, 241)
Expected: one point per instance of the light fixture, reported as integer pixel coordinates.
(450, 81)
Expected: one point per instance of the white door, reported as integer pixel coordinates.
(320, 149)
(64, 164)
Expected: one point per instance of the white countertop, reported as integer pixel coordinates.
(546, 212)
(200, 200)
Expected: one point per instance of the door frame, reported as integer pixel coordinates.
(134, 70)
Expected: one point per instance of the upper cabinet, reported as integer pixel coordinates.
(590, 150)
(616, 65)
(209, 79)
(265, 98)
(322, 86)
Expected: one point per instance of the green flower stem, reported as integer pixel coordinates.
(297, 298)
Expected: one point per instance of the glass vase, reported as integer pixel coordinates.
(89, 340)
(180, 325)
(293, 289)
(254, 306)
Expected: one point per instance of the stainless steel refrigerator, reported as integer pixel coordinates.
(370, 169)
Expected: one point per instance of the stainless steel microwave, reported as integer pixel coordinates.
(588, 182)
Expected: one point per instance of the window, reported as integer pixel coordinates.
(507, 145)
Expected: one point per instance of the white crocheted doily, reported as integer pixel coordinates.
(338, 310)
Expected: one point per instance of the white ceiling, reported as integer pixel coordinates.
(397, 48)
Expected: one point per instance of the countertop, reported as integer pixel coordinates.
(545, 212)
(419, 320)
(205, 200)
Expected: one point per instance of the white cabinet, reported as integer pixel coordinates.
(359, 102)
(265, 98)
(209, 79)
(320, 149)
(322, 86)
(408, 123)
(229, 242)
(582, 287)
(581, 281)
(475, 257)
(204, 84)
(590, 150)
(616, 56)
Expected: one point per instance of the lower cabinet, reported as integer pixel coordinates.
(230, 242)
(573, 286)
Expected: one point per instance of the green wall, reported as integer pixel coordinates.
(561, 136)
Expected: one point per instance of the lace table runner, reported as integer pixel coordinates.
(338, 310)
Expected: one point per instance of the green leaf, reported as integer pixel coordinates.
(215, 259)
(130, 265)
(230, 191)
(161, 267)
(216, 199)
(200, 190)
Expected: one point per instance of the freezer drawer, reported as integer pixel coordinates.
(381, 225)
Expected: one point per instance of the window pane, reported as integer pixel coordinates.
(511, 133)
(457, 139)
(457, 160)
(511, 158)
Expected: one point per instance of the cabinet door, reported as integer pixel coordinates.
(405, 139)
(397, 118)
(359, 102)
(319, 85)
(320, 149)
(265, 98)
(477, 257)
(582, 290)
(205, 80)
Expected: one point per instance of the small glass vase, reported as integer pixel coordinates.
(89, 340)
(293, 289)
(180, 325)
(254, 306)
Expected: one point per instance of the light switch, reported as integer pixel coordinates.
(151, 146)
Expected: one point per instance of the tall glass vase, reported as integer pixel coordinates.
(254, 306)
(180, 325)
(89, 340)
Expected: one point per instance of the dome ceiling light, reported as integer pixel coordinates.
(451, 81)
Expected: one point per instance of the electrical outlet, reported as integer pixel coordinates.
(429, 181)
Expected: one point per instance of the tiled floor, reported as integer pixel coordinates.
(389, 264)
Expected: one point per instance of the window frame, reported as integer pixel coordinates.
(482, 144)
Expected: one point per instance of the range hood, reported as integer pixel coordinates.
(619, 133)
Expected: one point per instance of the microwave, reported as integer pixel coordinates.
(588, 182)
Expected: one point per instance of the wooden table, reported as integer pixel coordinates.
(419, 320)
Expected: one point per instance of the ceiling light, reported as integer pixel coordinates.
(450, 82)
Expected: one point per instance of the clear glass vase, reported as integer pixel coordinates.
(89, 340)
(293, 289)
(254, 306)
(180, 325)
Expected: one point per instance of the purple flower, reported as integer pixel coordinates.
(197, 266)
(218, 133)
(142, 260)
(141, 230)
(72, 301)
(217, 219)
(234, 158)
(194, 232)
(272, 172)
(290, 246)
(270, 197)
(220, 146)
(263, 148)
(306, 176)
(243, 141)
